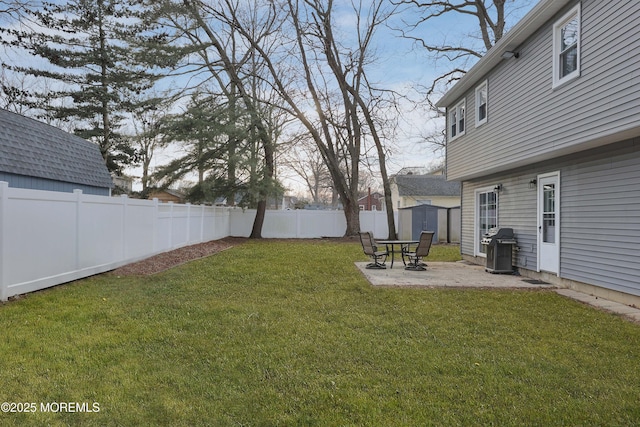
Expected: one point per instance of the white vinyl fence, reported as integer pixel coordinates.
(306, 224)
(48, 238)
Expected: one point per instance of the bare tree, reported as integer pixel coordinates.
(322, 82)
(146, 119)
(463, 50)
(307, 163)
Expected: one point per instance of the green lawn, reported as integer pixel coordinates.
(281, 333)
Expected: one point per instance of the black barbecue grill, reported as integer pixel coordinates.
(499, 244)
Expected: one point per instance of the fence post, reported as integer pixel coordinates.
(170, 225)
(78, 194)
(202, 211)
(188, 239)
(156, 221)
(4, 201)
(124, 199)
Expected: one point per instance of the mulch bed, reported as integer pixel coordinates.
(166, 260)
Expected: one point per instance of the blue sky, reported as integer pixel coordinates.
(404, 64)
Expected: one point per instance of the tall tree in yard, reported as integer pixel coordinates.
(213, 56)
(323, 84)
(95, 49)
(203, 133)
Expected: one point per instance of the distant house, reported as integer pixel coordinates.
(544, 135)
(282, 203)
(168, 195)
(122, 183)
(37, 156)
(372, 202)
(411, 190)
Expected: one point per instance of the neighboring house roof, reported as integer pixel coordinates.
(32, 148)
(426, 185)
(527, 26)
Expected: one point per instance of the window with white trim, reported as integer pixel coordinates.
(566, 47)
(481, 104)
(486, 216)
(457, 120)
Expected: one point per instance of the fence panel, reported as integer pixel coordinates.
(100, 230)
(308, 224)
(376, 222)
(48, 238)
(40, 236)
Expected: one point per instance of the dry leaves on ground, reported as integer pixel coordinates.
(166, 260)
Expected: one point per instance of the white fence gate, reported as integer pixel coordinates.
(48, 238)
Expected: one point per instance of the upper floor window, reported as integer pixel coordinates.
(481, 104)
(566, 47)
(456, 120)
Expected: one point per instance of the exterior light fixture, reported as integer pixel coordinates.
(508, 54)
(498, 187)
(533, 183)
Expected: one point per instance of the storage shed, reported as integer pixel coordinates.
(444, 221)
(35, 155)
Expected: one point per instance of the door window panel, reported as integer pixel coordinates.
(487, 215)
(549, 213)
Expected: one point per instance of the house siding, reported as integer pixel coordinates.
(35, 183)
(600, 219)
(517, 205)
(599, 215)
(529, 121)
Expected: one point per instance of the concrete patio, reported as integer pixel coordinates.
(465, 275)
(446, 274)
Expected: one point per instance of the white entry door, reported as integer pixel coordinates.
(549, 222)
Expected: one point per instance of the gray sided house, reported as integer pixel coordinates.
(544, 135)
(37, 156)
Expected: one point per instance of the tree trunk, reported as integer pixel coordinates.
(352, 215)
(256, 231)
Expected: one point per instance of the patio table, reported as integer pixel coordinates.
(391, 247)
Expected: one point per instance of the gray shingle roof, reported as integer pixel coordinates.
(32, 148)
(426, 185)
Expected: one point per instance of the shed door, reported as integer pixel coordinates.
(549, 223)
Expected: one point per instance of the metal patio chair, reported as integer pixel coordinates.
(422, 250)
(370, 248)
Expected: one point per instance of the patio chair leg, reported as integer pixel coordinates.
(376, 265)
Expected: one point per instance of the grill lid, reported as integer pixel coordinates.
(499, 235)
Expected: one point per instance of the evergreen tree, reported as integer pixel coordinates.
(201, 132)
(98, 52)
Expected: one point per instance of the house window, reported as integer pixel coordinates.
(566, 47)
(481, 104)
(456, 120)
(486, 216)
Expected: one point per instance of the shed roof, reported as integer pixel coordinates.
(32, 148)
(426, 185)
(529, 24)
